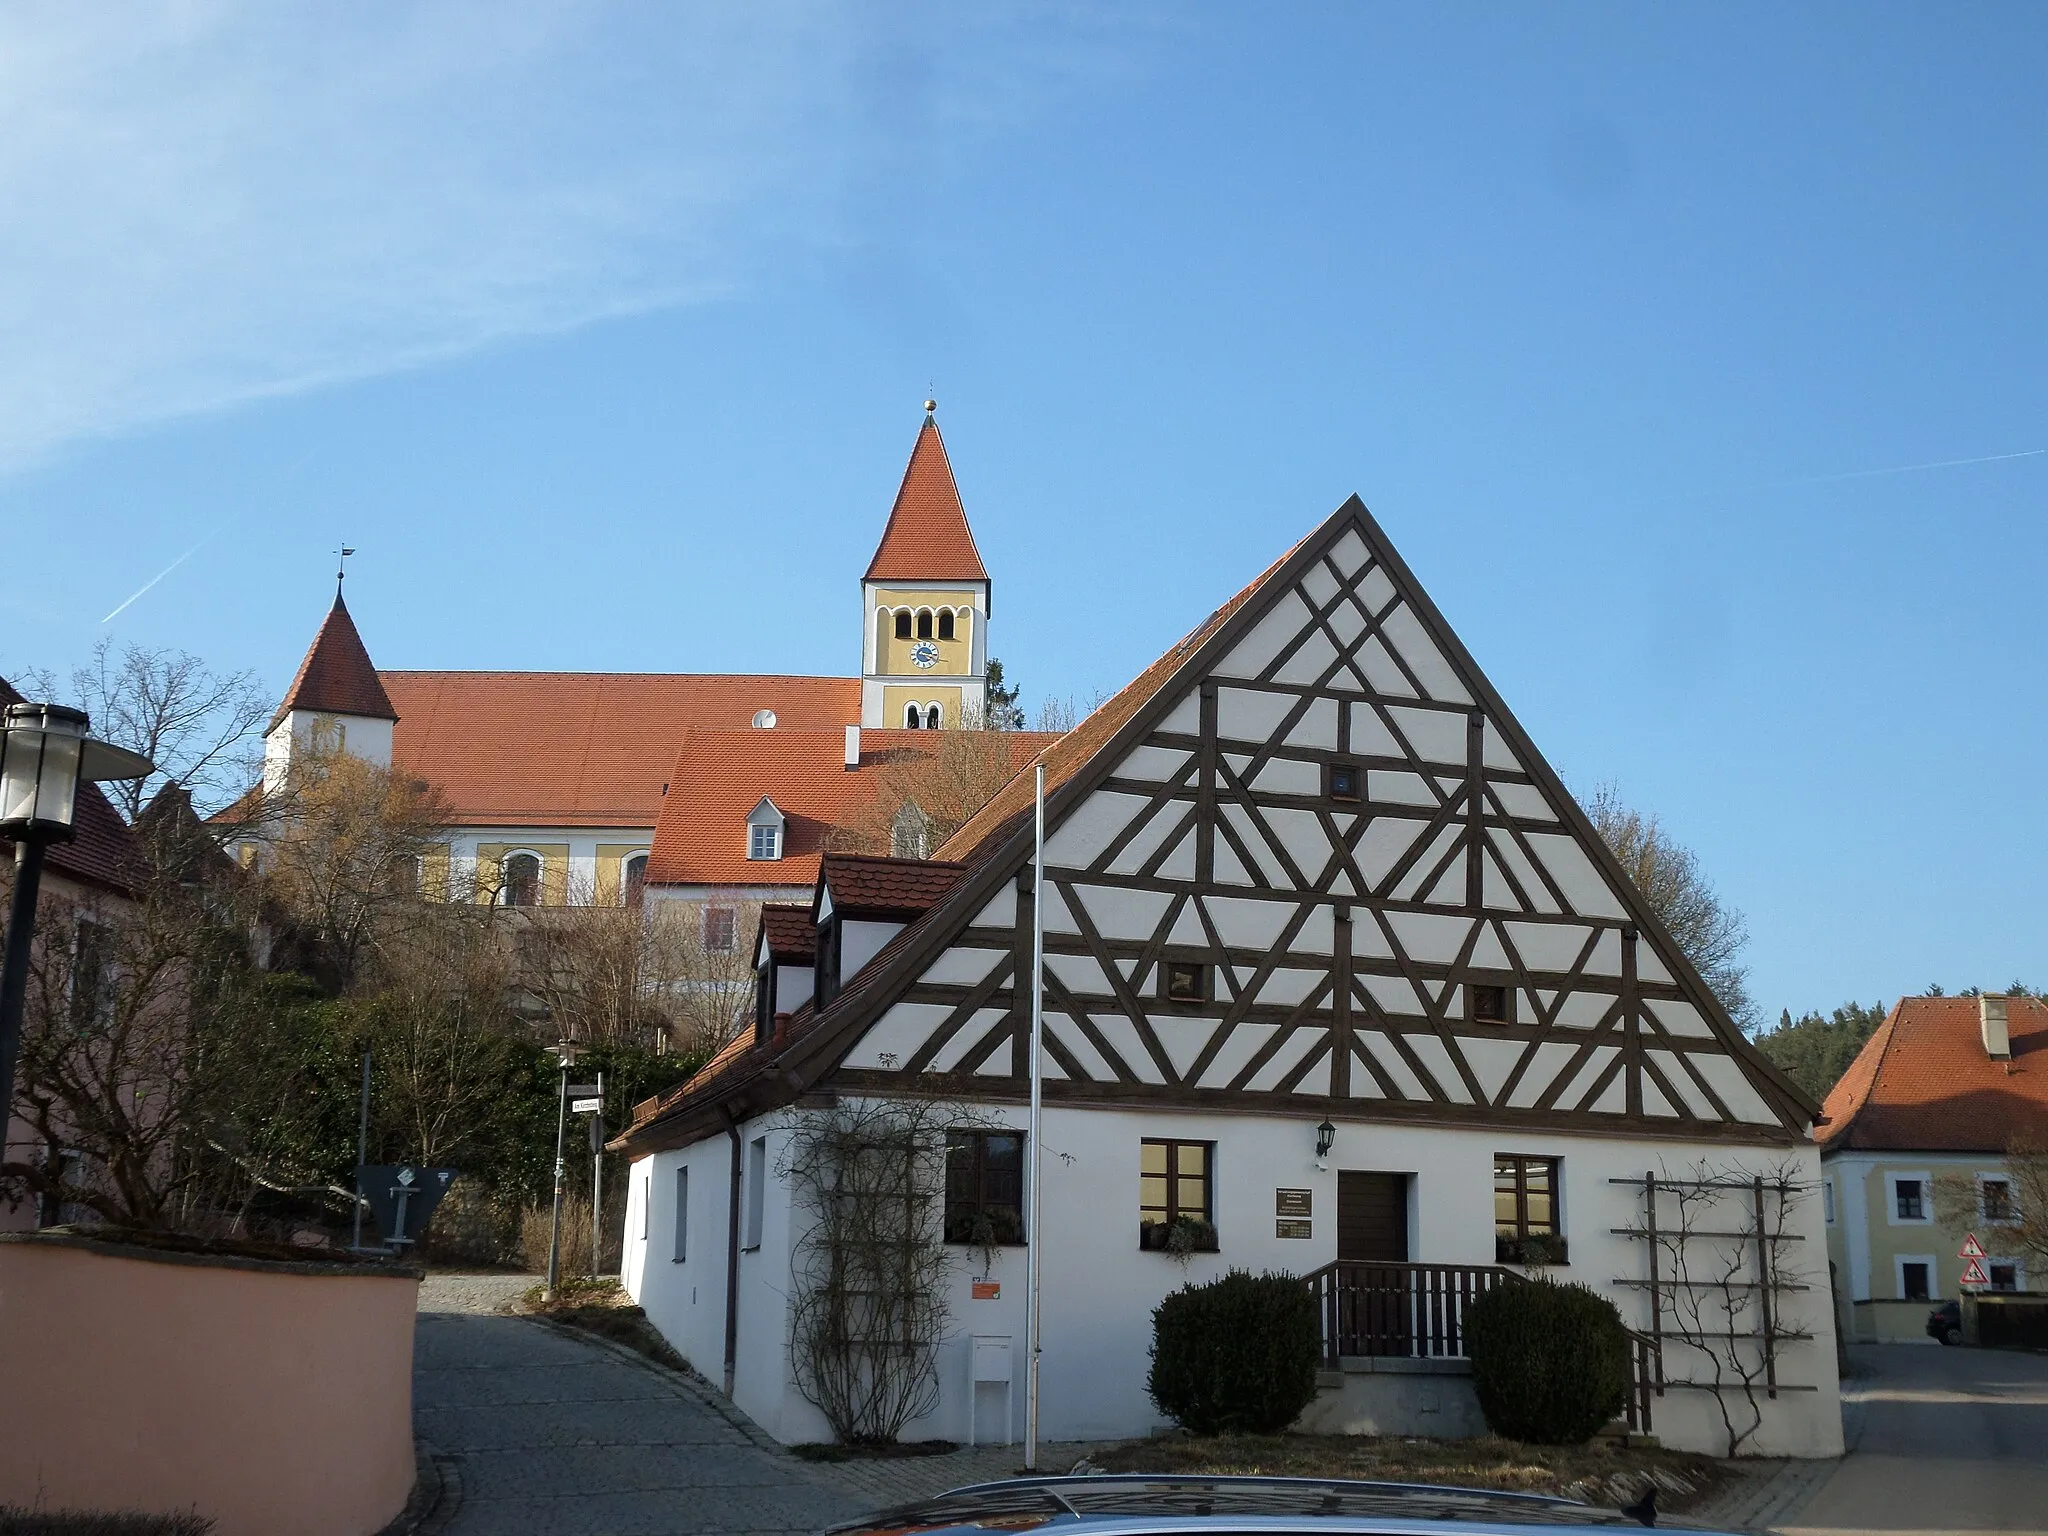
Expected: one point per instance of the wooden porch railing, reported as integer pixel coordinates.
(1417, 1311)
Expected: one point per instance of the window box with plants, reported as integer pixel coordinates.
(1181, 1236)
(1534, 1251)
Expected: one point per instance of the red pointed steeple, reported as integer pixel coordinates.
(927, 538)
(337, 676)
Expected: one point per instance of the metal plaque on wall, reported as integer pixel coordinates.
(1293, 1202)
(1284, 1227)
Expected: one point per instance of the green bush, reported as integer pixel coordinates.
(1549, 1361)
(1236, 1356)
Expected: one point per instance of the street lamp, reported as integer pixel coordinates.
(565, 1055)
(44, 753)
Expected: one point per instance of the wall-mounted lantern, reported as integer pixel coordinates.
(1326, 1138)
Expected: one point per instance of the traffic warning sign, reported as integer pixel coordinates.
(1971, 1248)
(1973, 1274)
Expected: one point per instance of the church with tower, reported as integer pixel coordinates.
(710, 787)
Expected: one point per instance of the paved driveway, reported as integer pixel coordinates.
(543, 1433)
(1939, 1440)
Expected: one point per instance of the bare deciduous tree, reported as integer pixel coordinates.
(947, 777)
(1711, 933)
(197, 725)
(2010, 1224)
(342, 849)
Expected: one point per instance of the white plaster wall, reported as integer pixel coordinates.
(1100, 1289)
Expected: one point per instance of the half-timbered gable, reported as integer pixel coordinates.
(1309, 863)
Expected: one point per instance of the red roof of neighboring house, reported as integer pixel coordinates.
(528, 749)
(337, 676)
(1923, 1082)
(102, 850)
(718, 777)
(791, 938)
(927, 538)
(862, 883)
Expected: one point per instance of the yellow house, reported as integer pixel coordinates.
(1937, 1094)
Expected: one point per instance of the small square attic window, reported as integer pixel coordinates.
(1343, 781)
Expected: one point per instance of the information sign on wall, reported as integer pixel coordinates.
(1293, 1202)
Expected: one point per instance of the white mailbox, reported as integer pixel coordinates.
(988, 1361)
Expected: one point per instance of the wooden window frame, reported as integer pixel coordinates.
(1205, 974)
(968, 1192)
(2008, 1212)
(1473, 1013)
(1152, 1229)
(1514, 1247)
(681, 1238)
(774, 843)
(1355, 795)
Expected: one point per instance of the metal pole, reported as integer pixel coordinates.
(362, 1148)
(597, 1178)
(21, 928)
(1035, 1233)
(555, 1225)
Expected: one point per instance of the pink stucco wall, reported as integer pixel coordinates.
(270, 1398)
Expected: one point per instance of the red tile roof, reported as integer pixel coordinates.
(927, 538)
(791, 938)
(337, 677)
(862, 884)
(1923, 1083)
(717, 777)
(102, 850)
(575, 749)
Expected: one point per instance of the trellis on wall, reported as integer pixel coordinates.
(1720, 1260)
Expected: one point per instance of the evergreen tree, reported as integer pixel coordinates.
(1002, 713)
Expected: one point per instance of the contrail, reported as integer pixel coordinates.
(160, 575)
(1902, 469)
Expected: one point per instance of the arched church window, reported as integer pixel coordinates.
(924, 624)
(913, 717)
(520, 885)
(931, 717)
(946, 624)
(902, 623)
(634, 885)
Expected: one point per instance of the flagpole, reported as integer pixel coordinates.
(1034, 1232)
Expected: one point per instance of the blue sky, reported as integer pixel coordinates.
(601, 332)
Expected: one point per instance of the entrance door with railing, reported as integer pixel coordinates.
(1376, 1300)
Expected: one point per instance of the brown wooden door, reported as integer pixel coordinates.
(1372, 1216)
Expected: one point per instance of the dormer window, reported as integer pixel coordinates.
(764, 831)
(946, 625)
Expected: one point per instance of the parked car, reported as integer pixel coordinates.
(1144, 1505)
(1945, 1323)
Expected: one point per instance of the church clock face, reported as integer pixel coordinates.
(924, 655)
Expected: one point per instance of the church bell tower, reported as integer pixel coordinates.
(925, 602)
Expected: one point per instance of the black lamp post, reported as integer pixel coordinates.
(44, 753)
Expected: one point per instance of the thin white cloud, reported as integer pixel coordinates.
(208, 203)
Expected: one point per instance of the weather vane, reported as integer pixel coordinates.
(341, 569)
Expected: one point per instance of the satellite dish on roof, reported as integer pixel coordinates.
(764, 719)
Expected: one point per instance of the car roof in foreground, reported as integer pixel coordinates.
(1135, 1502)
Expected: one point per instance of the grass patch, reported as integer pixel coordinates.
(1603, 1472)
(602, 1308)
